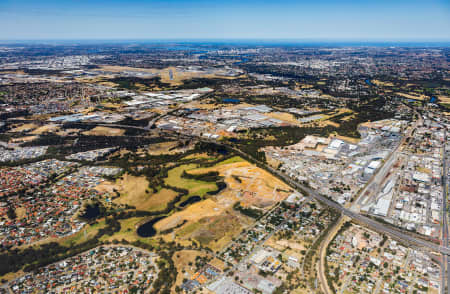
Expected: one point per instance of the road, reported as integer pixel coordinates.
(374, 184)
(323, 253)
(446, 261)
(375, 225)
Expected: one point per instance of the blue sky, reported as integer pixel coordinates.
(389, 20)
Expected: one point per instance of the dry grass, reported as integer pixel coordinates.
(67, 132)
(50, 128)
(11, 276)
(23, 139)
(284, 116)
(182, 259)
(104, 131)
(381, 83)
(282, 245)
(257, 187)
(23, 128)
(347, 139)
(193, 213)
(128, 231)
(177, 76)
(134, 191)
(194, 187)
(167, 148)
(21, 212)
(213, 222)
(162, 148)
(413, 96)
(214, 232)
(444, 99)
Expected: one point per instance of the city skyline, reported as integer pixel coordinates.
(290, 20)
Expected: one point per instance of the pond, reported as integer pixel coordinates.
(147, 230)
(191, 200)
(91, 211)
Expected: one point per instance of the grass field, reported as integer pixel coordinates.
(88, 232)
(44, 129)
(194, 187)
(413, 96)
(213, 222)
(23, 128)
(104, 131)
(135, 191)
(128, 231)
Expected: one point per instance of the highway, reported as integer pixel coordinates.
(446, 261)
(375, 225)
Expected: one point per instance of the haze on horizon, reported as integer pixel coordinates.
(393, 20)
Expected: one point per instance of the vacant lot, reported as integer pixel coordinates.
(134, 191)
(184, 261)
(247, 183)
(213, 222)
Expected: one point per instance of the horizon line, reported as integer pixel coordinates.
(250, 40)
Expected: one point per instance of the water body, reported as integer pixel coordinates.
(147, 230)
(91, 211)
(243, 60)
(230, 100)
(191, 200)
(368, 82)
(222, 151)
(433, 99)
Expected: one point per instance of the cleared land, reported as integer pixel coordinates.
(184, 261)
(135, 191)
(104, 131)
(213, 222)
(23, 128)
(177, 77)
(45, 129)
(413, 96)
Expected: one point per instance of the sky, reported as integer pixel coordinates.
(361, 20)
